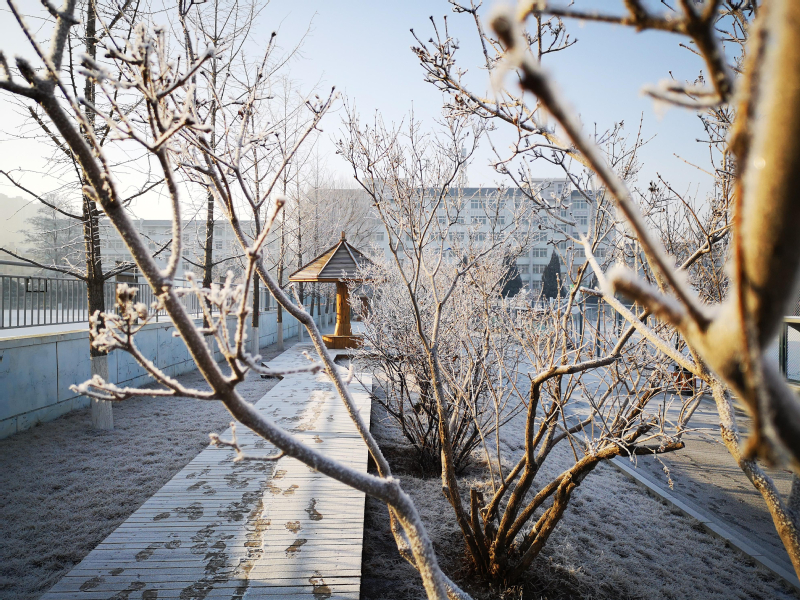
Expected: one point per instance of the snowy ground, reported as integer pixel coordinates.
(706, 476)
(66, 486)
(615, 541)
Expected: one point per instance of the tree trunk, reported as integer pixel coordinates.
(783, 517)
(280, 276)
(280, 314)
(327, 310)
(302, 303)
(102, 412)
(208, 250)
(315, 303)
(300, 289)
(102, 416)
(254, 342)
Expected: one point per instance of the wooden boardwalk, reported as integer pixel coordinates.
(252, 529)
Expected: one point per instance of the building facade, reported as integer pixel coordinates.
(471, 213)
(479, 213)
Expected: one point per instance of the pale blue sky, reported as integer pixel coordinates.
(363, 47)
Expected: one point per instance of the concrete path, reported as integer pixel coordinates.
(252, 529)
(706, 479)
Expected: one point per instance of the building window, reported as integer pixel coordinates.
(583, 220)
(442, 220)
(217, 245)
(579, 253)
(580, 204)
(379, 236)
(523, 269)
(478, 203)
(539, 253)
(480, 220)
(539, 236)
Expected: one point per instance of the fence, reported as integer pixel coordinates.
(29, 301)
(38, 370)
(785, 351)
(788, 351)
(33, 301)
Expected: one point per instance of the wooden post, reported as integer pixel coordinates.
(342, 310)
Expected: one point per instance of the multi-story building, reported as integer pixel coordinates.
(158, 232)
(483, 212)
(477, 212)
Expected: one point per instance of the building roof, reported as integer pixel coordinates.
(340, 263)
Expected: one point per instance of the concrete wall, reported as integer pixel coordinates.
(36, 372)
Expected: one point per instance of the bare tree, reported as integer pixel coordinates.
(457, 359)
(223, 24)
(168, 115)
(53, 238)
(293, 127)
(726, 323)
(118, 20)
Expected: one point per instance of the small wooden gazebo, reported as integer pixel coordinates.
(338, 265)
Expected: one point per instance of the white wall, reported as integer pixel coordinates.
(36, 372)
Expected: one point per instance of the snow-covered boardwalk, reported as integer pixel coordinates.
(251, 529)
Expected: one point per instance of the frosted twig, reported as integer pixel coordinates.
(240, 455)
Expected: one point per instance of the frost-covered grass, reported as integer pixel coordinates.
(66, 486)
(615, 541)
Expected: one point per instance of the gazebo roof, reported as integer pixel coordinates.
(340, 263)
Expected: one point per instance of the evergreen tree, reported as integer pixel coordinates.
(551, 278)
(512, 282)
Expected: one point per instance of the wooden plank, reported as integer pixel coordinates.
(219, 529)
(175, 579)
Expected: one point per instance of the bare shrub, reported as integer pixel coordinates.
(442, 333)
(476, 392)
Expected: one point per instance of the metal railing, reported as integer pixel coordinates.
(788, 349)
(29, 301)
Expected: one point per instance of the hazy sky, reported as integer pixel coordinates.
(363, 47)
